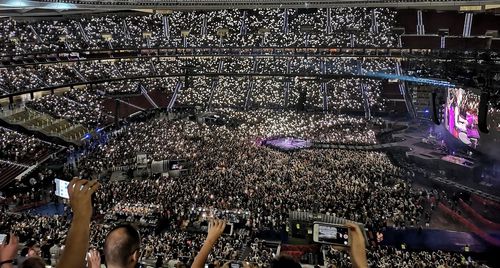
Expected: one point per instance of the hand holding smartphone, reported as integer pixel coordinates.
(349, 236)
(228, 230)
(331, 234)
(62, 188)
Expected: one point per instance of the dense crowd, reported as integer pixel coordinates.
(231, 175)
(163, 139)
(381, 256)
(81, 106)
(19, 148)
(19, 79)
(283, 27)
(84, 104)
(260, 27)
(240, 176)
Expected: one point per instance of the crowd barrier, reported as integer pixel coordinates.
(296, 255)
(301, 248)
(298, 251)
(473, 228)
(485, 201)
(472, 212)
(30, 206)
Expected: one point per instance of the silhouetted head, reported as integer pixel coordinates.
(284, 261)
(33, 262)
(122, 247)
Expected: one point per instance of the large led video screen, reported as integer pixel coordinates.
(461, 115)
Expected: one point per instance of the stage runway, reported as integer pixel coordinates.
(287, 143)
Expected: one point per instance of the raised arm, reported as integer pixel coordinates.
(77, 241)
(213, 234)
(358, 246)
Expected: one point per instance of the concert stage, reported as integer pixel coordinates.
(435, 154)
(447, 160)
(454, 166)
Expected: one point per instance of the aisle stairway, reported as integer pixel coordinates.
(9, 172)
(245, 250)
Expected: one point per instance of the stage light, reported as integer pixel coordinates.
(413, 79)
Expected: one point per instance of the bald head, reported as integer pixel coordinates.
(121, 248)
(33, 262)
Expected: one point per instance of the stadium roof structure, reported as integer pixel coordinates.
(60, 7)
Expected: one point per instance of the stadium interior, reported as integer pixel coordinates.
(249, 134)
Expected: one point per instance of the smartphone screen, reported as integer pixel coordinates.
(3, 239)
(235, 265)
(61, 188)
(331, 234)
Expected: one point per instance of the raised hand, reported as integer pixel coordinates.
(216, 229)
(80, 197)
(214, 232)
(94, 259)
(9, 251)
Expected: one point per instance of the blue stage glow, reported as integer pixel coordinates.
(98, 130)
(60, 6)
(413, 79)
(15, 3)
(87, 136)
(26, 3)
